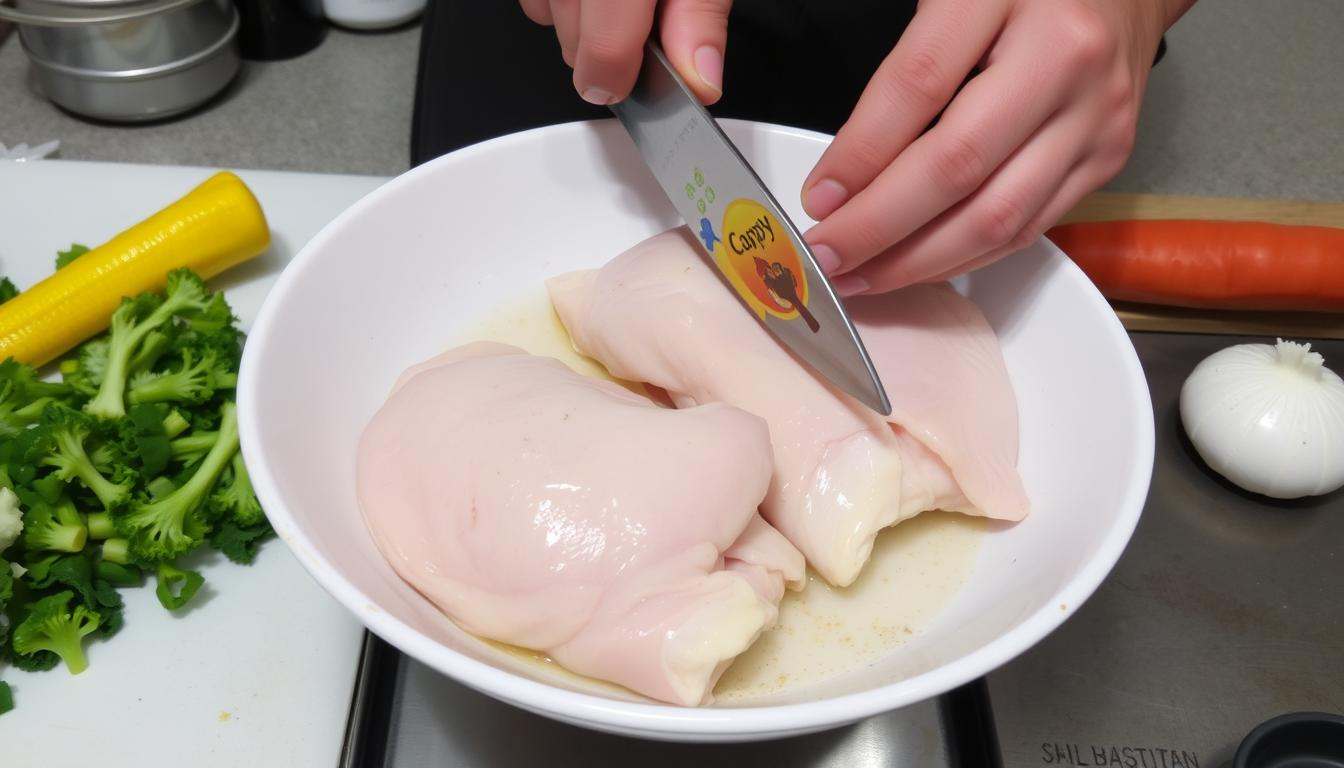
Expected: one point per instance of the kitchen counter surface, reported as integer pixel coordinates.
(343, 107)
(1248, 102)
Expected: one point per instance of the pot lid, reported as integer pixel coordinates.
(75, 12)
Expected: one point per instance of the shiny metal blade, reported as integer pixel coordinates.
(740, 225)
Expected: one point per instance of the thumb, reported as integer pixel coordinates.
(694, 34)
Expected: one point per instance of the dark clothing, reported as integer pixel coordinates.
(487, 70)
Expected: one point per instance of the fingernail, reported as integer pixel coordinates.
(709, 66)
(849, 285)
(826, 258)
(597, 96)
(821, 199)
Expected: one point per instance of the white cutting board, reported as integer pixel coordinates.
(259, 670)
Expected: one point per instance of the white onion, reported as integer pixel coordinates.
(1268, 418)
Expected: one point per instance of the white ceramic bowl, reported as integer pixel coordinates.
(397, 277)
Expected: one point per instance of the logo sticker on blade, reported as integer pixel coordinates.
(751, 249)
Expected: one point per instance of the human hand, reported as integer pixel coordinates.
(603, 40)
(1049, 116)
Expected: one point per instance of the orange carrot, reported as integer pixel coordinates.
(1210, 264)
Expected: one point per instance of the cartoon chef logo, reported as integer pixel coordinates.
(753, 251)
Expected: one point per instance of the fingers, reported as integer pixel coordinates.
(988, 123)
(1082, 179)
(611, 36)
(1045, 64)
(930, 61)
(603, 40)
(538, 11)
(694, 36)
(998, 219)
(565, 18)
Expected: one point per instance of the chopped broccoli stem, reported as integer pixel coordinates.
(176, 586)
(41, 531)
(153, 347)
(67, 538)
(67, 513)
(174, 424)
(160, 487)
(190, 448)
(101, 526)
(115, 551)
(52, 627)
(6, 698)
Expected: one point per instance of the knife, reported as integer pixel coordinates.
(742, 228)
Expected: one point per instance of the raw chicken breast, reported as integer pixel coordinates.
(557, 512)
(941, 365)
(659, 313)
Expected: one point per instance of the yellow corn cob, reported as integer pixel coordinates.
(213, 227)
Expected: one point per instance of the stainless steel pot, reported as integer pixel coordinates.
(128, 60)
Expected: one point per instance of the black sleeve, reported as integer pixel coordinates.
(487, 70)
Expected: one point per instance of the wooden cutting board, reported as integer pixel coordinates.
(1110, 206)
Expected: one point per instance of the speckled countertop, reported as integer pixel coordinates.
(1249, 102)
(344, 107)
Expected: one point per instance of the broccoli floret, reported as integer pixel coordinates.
(192, 382)
(52, 628)
(84, 372)
(27, 384)
(151, 350)
(76, 572)
(11, 518)
(15, 415)
(131, 323)
(67, 429)
(108, 457)
(23, 397)
(144, 438)
(42, 531)
(240, 544)
(6, 592)
(118, 574)
(7, 576)
(234, 498)
(65, 257)
(7, 290)
(164, 528)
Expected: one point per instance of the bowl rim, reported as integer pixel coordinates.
(653, 719)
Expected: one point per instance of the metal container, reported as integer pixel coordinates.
(128, 60)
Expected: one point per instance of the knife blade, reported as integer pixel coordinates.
(742, 228)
